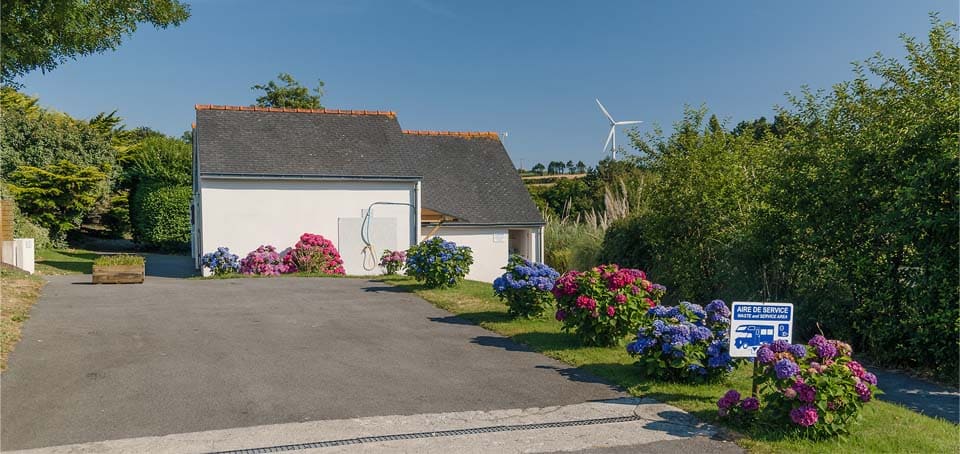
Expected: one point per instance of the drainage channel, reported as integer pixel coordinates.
(436, 434)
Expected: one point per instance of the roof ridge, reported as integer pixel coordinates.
(386, 113)
(467, 134)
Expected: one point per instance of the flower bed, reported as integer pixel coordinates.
(221, 261)
(604, 304)
(392, 261)
(525, 287)
(438, 263)
(313, 254)
(817, 389)
(264, 261)
(685, 342)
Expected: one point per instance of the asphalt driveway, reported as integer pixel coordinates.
(174, 355)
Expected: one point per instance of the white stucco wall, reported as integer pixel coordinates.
(489, 255)
(243, 214)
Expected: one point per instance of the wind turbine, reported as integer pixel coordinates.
(613, 129)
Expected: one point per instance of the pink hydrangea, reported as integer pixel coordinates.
(611, 311)
(805, 415)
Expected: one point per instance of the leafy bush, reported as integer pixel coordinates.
(57, 196)
(392, 261)
(314, 254)
(685, 342)
(119, 260)
(526, 286)
(604, 304)
(159, 159)
(161, 216)
(23, 228)
(438, 263)
(264, 261)
(815, 390)
(221, 261)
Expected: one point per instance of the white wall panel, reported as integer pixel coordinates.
(243, 214)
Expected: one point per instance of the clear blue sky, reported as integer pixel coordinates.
(531, 68)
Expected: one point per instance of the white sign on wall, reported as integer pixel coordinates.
(755, 324)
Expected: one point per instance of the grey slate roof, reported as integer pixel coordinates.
(469, 177)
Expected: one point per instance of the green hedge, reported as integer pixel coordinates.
(161, 216)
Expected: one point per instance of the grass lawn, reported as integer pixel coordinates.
(886, 427)
(65, 261)
(19, 291)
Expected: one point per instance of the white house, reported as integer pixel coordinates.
(267, 175)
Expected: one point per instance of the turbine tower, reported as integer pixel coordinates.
(613, 129)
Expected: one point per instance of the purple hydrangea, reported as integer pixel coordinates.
(779, 346)
(805, 415)
(750, 404)
(797, 350)
(864, 391)
(730, 399)
(826, 351)
(818, 341)
(765, 355)
(870, 378)
(805, 392)
(786, 368)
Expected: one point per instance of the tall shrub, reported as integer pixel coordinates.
(57, 196)
(868, 192)
(161, 216)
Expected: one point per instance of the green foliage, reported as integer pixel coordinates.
(847, 206)
(119, 260)
(43, 34)
(159, 159)
(161, 216)
(571, 245)
(438, 263)
(117, 216)
(869, 196)
(37, 137)
(291, 94)
(58, 196)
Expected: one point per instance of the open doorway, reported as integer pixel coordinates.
(520, 243)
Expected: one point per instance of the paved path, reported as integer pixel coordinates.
(175, 356)
(626, 425)
(918, 395)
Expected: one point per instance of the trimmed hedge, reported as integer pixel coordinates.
(161, 216)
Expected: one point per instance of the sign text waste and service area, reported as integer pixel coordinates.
(754, 324)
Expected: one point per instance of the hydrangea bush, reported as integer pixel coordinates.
(816, 389)
(314, 254)
(525, 287)
(685, 342)
(264, 261)
(392, 261)
(438, 263)
(602, 305)
(221, 261)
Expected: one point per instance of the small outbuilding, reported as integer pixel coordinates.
(267, 175)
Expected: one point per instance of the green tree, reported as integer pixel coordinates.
(58, 196)
(33, 136)
(539, 169)
(581, 167)
(867, 190)
(41, 34)
(291, 94)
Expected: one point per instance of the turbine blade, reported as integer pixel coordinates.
(609, 138)
(621, 123)
(604, 110)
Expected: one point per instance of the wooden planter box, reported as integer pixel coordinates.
(118, 274)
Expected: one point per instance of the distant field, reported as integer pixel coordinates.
(572, 176)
